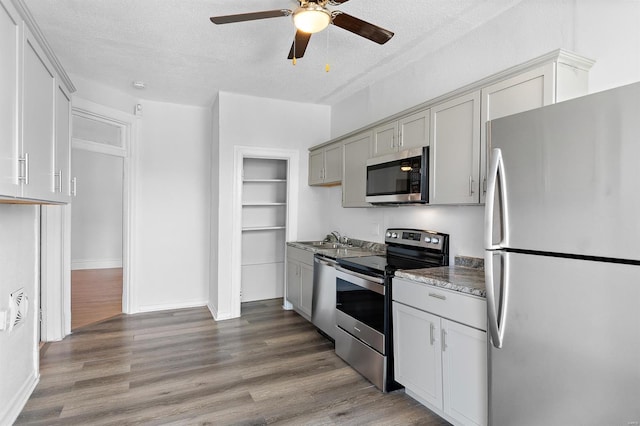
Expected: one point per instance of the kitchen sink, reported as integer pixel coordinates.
(324, 244)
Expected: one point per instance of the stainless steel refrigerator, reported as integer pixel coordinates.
(562, 262)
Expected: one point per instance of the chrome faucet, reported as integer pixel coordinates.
(337, 236)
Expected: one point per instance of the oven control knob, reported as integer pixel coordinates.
(388, 234)
(394, 235)
(427, 239)
(435, 240)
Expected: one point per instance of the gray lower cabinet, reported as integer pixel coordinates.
(440, 350)
(300, 280)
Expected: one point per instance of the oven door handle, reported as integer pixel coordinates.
(370, 283)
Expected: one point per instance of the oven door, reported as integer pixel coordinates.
(360, 307)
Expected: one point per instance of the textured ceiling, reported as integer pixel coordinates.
(183, 58)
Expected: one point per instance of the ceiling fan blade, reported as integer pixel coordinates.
(228, 19)
(300, 45)
(362, 28)
(337, 2)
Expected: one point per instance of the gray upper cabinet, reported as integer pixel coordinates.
(385, 139)
(564, 77)
(325, 165)
(408, 132)
(414, 130)
(454, 156)
(454, 126)
(357, 151)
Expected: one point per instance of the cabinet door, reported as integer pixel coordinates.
(38, 121)
(63, 144)
(306, 289)
(414, 130)
(529, 90)
(464, 359)
(354, 179)
(417, 353)
(293, 282)
(9, 84)
(333, 163)
(455, 151)
(384, 139)
(316, 167)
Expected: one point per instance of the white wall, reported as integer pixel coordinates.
(601, 30)
(605, 31)
(214, 187)
(260, 122)
(170, 230)
(96, 218)
(19, 264)
(172, 223)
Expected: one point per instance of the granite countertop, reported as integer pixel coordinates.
(356, 248)
(466, 276)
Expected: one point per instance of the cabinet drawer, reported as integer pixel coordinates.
(300, 255)
(456, 306)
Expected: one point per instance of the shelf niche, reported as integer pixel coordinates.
(264, 218)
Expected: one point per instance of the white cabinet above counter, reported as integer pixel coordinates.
(453, 125)
(34, 115)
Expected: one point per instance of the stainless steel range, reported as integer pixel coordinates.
(363, 300)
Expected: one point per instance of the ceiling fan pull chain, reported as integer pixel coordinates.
(327, 68)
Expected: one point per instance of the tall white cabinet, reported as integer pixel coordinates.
(264, 218)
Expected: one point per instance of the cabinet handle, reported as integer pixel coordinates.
(58, 184)
(438, 296)
(444, 340)
(400, 141)
(24, 176)
(484, 185)
(431, 332)
(470, 185)
(73, 186)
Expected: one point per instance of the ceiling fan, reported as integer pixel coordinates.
(312, 16)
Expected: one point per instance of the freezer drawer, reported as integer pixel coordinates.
(570, 348)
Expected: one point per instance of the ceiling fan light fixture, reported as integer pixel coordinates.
(311, 18)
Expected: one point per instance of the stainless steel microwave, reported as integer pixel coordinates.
(399, 178)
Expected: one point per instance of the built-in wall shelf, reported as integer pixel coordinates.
(264, 219)
(262, 228)
(264, 180)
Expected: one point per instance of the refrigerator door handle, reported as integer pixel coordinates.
(496, 309)
(496, 174)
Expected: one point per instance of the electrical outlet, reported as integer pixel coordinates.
(375, 229)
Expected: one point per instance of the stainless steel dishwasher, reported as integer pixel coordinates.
(323, 312)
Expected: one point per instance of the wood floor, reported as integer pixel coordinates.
(96, 294)
(181, 367)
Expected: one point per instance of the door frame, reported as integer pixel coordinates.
(56, 226)
(291, 224)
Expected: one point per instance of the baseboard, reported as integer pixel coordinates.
(95, 264)
(217, 315)
(15, 406)
(170, 306)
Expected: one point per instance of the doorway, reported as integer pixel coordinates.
(96, 237)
